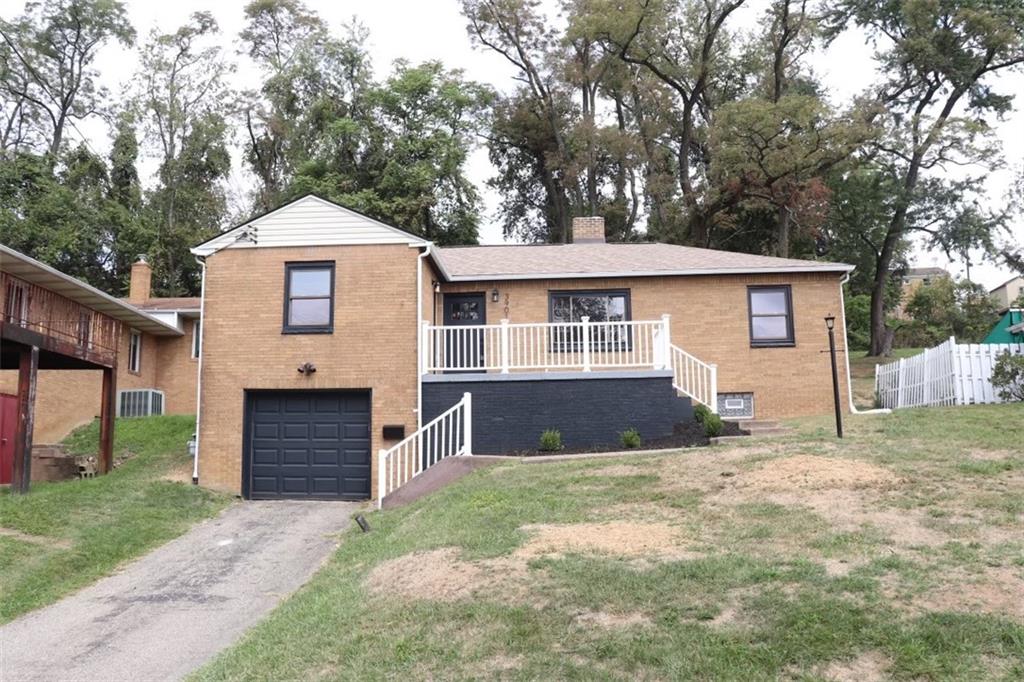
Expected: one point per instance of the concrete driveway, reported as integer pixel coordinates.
(166, 614)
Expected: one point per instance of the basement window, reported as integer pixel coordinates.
(771, 316)
(309, 298)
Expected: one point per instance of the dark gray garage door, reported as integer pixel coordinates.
(308, 444)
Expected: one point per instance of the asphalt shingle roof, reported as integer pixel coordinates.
(609, 260)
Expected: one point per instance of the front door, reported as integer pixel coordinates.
(464, 348)
(8, 432)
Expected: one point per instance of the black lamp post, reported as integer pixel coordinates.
(830, 322)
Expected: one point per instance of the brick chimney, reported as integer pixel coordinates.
(588, 230)
(142, 279)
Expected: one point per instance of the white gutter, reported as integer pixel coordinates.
(199, 369)
(419, 335)
(846, 352)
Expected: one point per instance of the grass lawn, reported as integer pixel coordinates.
(862, 373)
(895, 553)
(63, 536)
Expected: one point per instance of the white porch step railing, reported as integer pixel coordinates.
(546, 346)
(694, 378)
(450, 434)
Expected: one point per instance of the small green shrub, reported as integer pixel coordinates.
(1008, 376)
(701, 412)
(630, 438)
(713, 425)
(551, 440)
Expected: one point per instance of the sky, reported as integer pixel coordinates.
(420, 30)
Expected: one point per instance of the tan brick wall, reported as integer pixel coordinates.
(373, 345)
(177, 371)
(710, 320)
(67, 399)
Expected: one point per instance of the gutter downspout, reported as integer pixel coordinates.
(846, 353)
(419, 335)
(199, 370)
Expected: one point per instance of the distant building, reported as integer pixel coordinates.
(913, 279)
(1008, 292)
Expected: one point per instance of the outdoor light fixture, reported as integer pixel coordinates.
(437, 287)
(307, 368)
(494, 296)
(830, 323)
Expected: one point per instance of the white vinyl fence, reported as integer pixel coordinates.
(949, 374)
(450, 434)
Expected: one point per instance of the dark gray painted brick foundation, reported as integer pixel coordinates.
(510, 411)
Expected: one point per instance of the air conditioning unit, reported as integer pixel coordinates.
(140, 402)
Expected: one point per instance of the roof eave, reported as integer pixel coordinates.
(837, 268)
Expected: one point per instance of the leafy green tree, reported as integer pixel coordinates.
(946, 308)
(419, 128)
(858, 321)
(183, 102)
(47, 81)
(934, 103)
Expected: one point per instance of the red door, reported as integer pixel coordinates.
(8, 428)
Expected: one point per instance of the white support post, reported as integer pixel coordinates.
(467, 420)
(380, 477)
(714, 389)
(666, 342)
(425, 344)
(585, 330)
(504, 349)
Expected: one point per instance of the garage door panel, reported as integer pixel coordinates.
(296, 430)
(310, 444)
(326, 456)
(326, 431)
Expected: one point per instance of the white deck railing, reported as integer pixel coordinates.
(546, 346)
(449, 434)
(694, 377)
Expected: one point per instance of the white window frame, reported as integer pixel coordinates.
(135, 351)
(197, 340)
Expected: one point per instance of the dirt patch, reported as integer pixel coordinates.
(996, 591)
(439, 575)
(180, 474)
(867, 667)
(35, 539)
(621, 538)
(611, 621)
(810, 472)
(991, 455)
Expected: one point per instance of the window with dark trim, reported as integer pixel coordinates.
(134, 352)
(309, 298)
(196, 337)
(771, 315)
(598, 306)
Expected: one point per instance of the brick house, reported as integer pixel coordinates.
(96, 356)
(329, 339)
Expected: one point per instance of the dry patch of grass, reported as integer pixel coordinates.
(808, 472)
(870, 666)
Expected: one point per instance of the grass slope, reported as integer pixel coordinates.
(63, 536)
(862, 373)
(768, 587)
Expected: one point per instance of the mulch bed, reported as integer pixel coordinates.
(688, 434)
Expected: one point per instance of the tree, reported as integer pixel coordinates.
(937, 61)
(46, 78)
(946, 308)
(419, 128)
(184, 103)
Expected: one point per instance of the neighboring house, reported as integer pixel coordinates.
(70, 353)
(1007, 293)
(1009, 328)
(328, 335)
(156, 364)
(914, 279)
